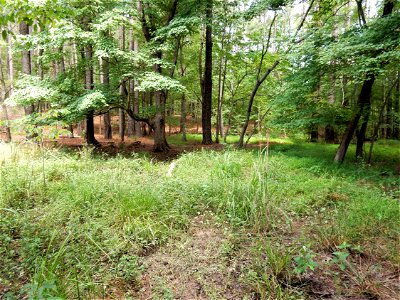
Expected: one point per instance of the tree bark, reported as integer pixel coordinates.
(131, 122)
(3, 96)
(158, 124)
(207, 79)
(396, 110)
(89, 85)
(122, 90)
(105, 81)
(183, 118)
(182, 123)
(121, 114)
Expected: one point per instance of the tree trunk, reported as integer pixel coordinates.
(361, 138)
(107, 126)
(207, 79)
(105, 81)
(329, 134)
(122, 89)
(158, 124)
(183, 118)
(90, 138)
(221, 85)
(131, 122)
(26, 69)
(3, 96)
(396, 111)
(182, 123)
(364, 100)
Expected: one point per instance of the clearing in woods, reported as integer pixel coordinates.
(123, 223)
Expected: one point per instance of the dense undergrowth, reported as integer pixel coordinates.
(74, 225)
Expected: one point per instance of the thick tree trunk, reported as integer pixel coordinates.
(207, 80)
(89, 85)
(158, 124)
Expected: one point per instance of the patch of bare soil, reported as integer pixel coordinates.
(192, 267)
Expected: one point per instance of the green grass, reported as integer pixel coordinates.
(74, 224)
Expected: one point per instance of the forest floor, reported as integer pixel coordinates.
(200, 222)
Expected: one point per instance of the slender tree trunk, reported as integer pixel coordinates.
(207, 80)
(251, 100)
(218, 130)
(3, 96)
(182, 123)
(134, 127)
(131, 122)
(259, 81)
(89, 82)
(121, 113)
(105, 81)
(363, 100)
(389, 117)
(221, 99)
(396, 111)
(183, 118)
(122, 89)
(26, 67)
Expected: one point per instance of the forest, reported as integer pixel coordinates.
(209, 149)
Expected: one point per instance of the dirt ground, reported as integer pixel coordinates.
(193, 266)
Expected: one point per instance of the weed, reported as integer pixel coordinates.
(305, 260)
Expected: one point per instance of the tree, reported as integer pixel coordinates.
(363, 107)
(206, 82)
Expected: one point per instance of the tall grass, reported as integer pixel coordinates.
(73, 224)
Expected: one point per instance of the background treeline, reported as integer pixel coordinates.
(326, 68)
